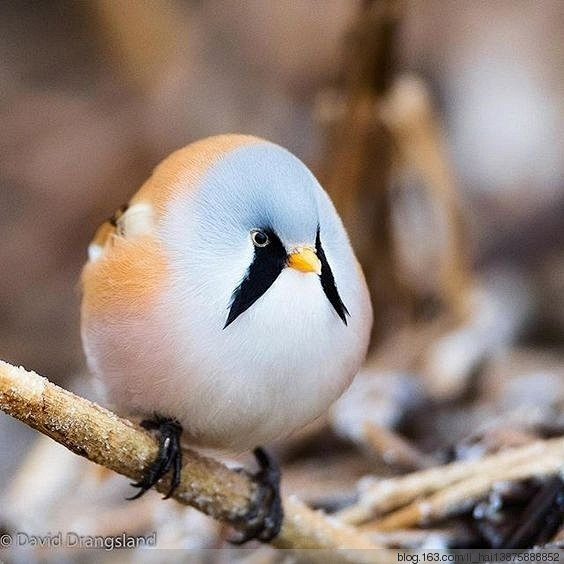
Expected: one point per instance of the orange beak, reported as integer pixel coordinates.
(304, 259)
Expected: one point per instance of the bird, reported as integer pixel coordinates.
(224, 306)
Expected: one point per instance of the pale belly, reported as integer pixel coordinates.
(224, 399)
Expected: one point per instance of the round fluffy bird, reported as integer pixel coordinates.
(226, 299)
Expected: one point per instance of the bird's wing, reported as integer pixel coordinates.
(130, 221)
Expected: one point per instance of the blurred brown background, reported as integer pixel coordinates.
(94, 93)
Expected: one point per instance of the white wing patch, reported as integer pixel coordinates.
(136, 220)
(95, 251)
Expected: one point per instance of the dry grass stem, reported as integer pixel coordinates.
(313, 529)
(469, 479)
(463, 495)
(409, 115)
(393, 449)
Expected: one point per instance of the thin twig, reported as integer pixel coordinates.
(394, 449)
(469, 480)
(462, 495)
(102, 437)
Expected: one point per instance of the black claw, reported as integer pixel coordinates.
(168, 457)
(264, 520)
(176, 454)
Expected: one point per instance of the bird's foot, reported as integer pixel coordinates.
(264, 519)
(169, 455)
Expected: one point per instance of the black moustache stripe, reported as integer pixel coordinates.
(328, 282)
(267, 265)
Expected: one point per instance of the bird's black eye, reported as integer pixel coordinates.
(260, 238)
